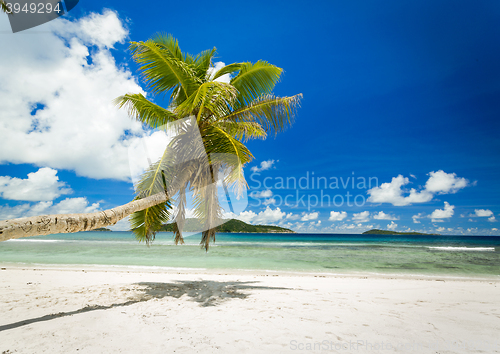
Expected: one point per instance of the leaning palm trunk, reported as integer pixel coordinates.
(68, 223)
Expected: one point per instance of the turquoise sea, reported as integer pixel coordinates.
(460, 256)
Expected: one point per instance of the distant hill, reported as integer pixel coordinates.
(231, 226)
(101, 229)
(386, 232)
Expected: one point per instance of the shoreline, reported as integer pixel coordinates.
(233, 272)
(46, 309)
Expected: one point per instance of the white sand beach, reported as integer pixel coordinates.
(79, 310)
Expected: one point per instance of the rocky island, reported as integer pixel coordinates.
(230, 226)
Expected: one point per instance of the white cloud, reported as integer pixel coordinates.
(309, 216)
(263, 194)
(42, 185)
(392, 193)
(482, 212)
(66, 206)
(383, 216)
(440, 229)
(69, 74)
(264, 217)
(445, 213)
(492, 219)
(361, 217)
(439, 182)
(416, 217)
(269, 201)
(264, 165)
(292, 216)
(337, 215)
(392, 226)
(102, 30)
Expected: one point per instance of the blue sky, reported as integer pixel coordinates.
(402, 94)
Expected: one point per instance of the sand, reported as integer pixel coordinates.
(118, 311)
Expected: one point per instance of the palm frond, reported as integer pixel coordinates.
(145, 111)
(147, 222)
(228, 69)
(202, 63)
(272, 113)
(243, 131)
(171, 44)
(163, 70)
(211, 98)
(226, 150)
(255, 80)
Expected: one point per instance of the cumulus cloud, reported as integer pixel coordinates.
(439, 182)
(416, 217)
(57, 94)
(269, 201)
(392, 226)
(43, 185)
(264, 165)
(492, 219)
(264, 217)
(361, 217)
(66, 206)
(383, 216)
(337, 215)
(439, 214)
(309, 216)
(292, 216)
(482, 213)
(263, 194)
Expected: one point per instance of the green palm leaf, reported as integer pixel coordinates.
(243, 131)
(211, 98)
(272, 113)
(143, 110)
(255, 80)
(147, 222)
(228, 69)
(164, 70)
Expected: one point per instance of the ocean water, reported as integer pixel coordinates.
(469, 256)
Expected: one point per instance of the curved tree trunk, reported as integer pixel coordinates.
(67, 223)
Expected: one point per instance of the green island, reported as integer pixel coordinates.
(230, 226)
(387, 232)
(102, 229)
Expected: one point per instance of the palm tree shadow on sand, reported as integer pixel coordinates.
(205, 292)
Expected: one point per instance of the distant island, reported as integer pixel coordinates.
(387, 232)
(230, 226)
(101, 229)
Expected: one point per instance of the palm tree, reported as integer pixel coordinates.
(211, 120)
